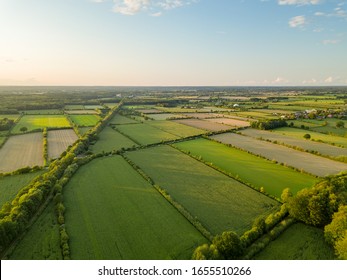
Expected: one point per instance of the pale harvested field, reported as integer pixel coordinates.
(204, 115)
(231, 122)
(20, 151)
(204, 124)
(322, 148)
(59, 140)
(81, 112)
(149, 111)
(164, 116)
(315, 165)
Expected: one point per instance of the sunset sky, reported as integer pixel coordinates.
(173, 42)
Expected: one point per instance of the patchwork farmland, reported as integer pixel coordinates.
(159, 176)
(125, 218)
(219, 202)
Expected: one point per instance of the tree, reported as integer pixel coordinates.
(23, 129)
(340, 124)
(341, 247)
(307, 136)
(229, 245)
(337, 227)
(286, 195)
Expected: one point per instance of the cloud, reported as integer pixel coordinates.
(329, 80)
(152, 7)
(298, 21)
(311, 81)
(330, 42)
(298, 2)
(279, 80)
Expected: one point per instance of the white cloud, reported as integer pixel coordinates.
(298, 21)
(329, 80)
(279, 80)
(153, 7)
(298, 2)
(311, 81)
(319, 14)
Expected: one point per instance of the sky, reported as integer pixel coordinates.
(173, 42)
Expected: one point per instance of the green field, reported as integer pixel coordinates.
(2, 140)
(119, 119)
(10, 117)
(85, 120)
(74, 107)
(113, 213)
(299, 242)
(43, 112)
(42, 240)
(299, 133)
(32, 122)
(10, 185)
(110, 139)
(249, 168)
(180, 130)
(217, 201)
(145, 134)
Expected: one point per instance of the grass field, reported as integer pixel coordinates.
(85, 120)
(249, 168)
(10, 117)
(32, 122)
(322, 148)
(299, 242)
(93, 107)
(84, 130)
(21, 151)
(299, 133)
(180, 130)
(217, 201)
(145, 134)
(2, 139)
(113, 213)
(81, 112)
(164, 116)
(119, 119)
(10, 185)
(109, 140)
(59, 141)
(74, 107)
(43, 112)
(313, 164)
(42, 241)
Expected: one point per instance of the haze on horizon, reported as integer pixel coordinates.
(173, 42)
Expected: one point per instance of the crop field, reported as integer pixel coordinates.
(202, 124)
(85, 120)
(43, 112)
(164, 116)
(119, 119)
(299, 242)
(113, 213)
(32, 122)
(81, 112)
(257, 115)
(59, 141)
(217, 201)
(249, 168)
(144, 134)
(203, 115)
(322, 148)
(84, 130)
(299, 133)
(110, 139)
(149, 111)
(313, 164)
(93, 107)
(231, 122)
(111, 105)
(20, 151)
(74, 107)
(180, 130)
(10, 185)
(42, 241)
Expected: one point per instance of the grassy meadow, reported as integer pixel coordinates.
(42, 240)
(84, 120)
(11, 185)
(217, 201)
(113, 213)
(299, 242)
(249, 168)
(109, 140)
